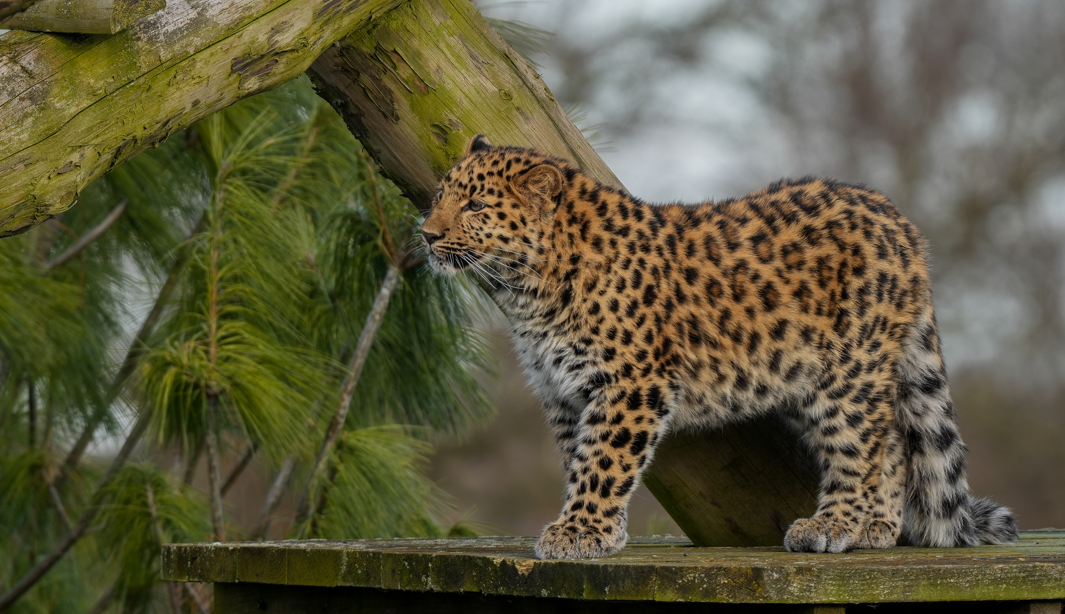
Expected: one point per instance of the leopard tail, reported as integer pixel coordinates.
(939, 511)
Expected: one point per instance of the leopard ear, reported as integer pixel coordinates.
(477, 143)
(544, 180)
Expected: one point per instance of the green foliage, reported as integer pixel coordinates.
(145, 509)
(374, 487)
(264, 235)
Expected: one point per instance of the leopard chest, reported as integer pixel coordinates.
(558, 365)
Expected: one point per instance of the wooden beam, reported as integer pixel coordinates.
(742, 485)
(73, 107)
(82, 16)
(417, 83)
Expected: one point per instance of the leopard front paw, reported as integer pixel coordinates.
(820, 534)
(571, 540)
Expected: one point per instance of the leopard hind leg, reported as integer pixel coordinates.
(850, 426)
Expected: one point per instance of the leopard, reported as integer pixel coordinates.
(809, 298)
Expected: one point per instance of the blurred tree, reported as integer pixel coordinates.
(259, 245)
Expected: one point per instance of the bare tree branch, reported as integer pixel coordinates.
(212, 469)
(242, 464)
(90, 236)
(273, 497)
(136, 349)
(362, 350)
(59, 508)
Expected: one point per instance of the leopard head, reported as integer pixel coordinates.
(495, 209)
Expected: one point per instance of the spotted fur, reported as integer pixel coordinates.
(809, 297)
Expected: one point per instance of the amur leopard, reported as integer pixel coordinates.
(810, 297)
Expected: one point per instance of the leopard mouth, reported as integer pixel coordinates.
(451, 261)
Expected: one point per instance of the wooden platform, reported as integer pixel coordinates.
(651, 574)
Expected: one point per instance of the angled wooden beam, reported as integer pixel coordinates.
(74, 106)
(417, 83)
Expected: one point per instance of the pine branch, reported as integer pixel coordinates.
(382, 219)
(136, 349)
(362, 350)
(212, 468)
(286, 185)
(273, 497)
(57, 553)
(242, 464)
(90, 236)
(192, 461)
(213, 299)
(171, 588)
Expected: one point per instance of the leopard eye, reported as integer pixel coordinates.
(474, 205)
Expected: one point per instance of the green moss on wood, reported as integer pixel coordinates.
(72, 108)
(427, 76)
(649, 569)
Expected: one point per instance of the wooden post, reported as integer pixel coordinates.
(82, 16)
(742, 485)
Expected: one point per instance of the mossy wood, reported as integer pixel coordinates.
(82, 16)
(413, 80)
(648, 570)
(418, 82)
(74, 106)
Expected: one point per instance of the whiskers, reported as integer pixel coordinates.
(519, 268)
(491, 277)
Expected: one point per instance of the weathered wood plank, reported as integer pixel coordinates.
(82, 16)
(650, 569)
(74, 106)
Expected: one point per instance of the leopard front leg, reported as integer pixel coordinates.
(564, 420)
(616, 437)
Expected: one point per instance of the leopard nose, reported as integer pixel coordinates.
(431, 238)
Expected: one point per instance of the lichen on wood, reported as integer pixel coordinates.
(649, 569)
(72, 107)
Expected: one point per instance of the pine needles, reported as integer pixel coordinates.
(263, 237)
